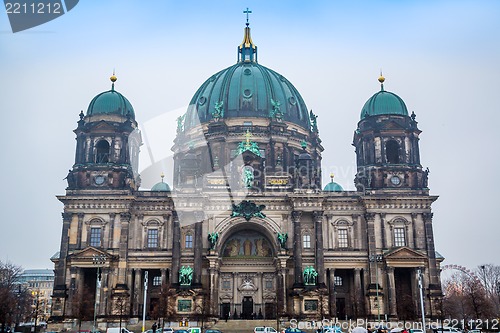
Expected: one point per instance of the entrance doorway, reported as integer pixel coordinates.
(340, 304)
(247, 307)
(405, 304)
(224, 310)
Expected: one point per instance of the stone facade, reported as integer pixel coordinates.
(247, 218)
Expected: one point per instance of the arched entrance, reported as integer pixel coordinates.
(247, 283)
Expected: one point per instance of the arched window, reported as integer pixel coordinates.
(392, 152)
(189, 241)
(102, 152)
(306, 241)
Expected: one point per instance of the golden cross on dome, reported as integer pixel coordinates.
(247, 11)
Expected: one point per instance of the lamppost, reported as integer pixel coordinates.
(376, 258)
(36, 293)
(97, 260)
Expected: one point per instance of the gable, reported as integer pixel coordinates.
(405, 257)
(85, 257)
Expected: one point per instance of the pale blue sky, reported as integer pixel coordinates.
(441, 57)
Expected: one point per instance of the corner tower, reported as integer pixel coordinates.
(386, 142)
(107, 144)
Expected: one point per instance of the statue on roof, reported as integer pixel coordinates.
(180, 123)
(218, 110)
(314, 121)
(275, 112)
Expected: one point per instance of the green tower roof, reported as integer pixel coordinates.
(384, 103)
(111, 102)
(161, 186)
(332, 186)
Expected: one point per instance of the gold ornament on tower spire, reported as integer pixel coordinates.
(381, 79)
(113, 79)
(331, 177)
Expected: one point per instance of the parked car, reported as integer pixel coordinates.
(416, 330)
(446, 330)
(117, 330)
(181, 331)
(168, 330)
(294, 330)
(212, 331)
(262, 329)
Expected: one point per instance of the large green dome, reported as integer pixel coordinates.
(246, 90)
(111, 102)
(384, 103)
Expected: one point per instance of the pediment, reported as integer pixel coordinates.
(103, 126)
(405, 257)
(404, 253)
(86, 256)
(392, 125)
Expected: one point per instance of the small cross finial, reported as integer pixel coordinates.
(247, 11)
(248, 135)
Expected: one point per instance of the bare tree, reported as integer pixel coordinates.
(121, 306)
(9, 274)
(490, 278)
(165, 308)
(465, 298)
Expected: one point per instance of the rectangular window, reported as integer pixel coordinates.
(311, 305)
(399, 237)
(95, 237)
(337, 280)
(307, 241)
(184, 305)
(226, 284)
(269, 284)
(157, 280)
(189, 241)
(343, 242)
(152, 238)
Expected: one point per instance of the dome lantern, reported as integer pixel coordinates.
(247, 50)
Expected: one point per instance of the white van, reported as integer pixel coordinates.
(117, 330)
(261, 329)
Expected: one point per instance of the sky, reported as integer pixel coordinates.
(441, 57)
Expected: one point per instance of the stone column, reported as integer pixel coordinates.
(382, 231)
(198, 247)
(123, 246)
(358, 293)
(111, 230)
(260, 276)
(213, 290)
(137, 291)
(235, 291)
(79, 231)
(297, 246)
(431, 252)
(60, 271)
(176, 248)
(331, 293)
(163, 242)
(320, 265)
(104, 291)
(392, 292)
(163, 273)
(372, 249)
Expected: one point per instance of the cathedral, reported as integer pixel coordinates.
(246, 229)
